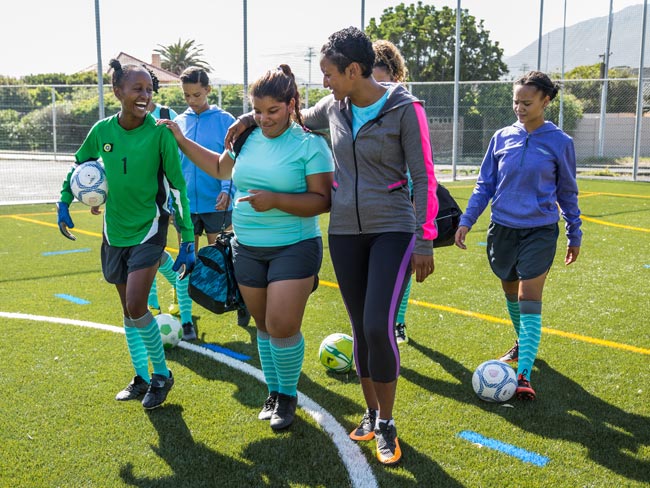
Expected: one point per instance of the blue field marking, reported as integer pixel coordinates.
(70, 251)
(70, 298)
(227, 352)
(484, 244)
(646, 265)
(509, 449)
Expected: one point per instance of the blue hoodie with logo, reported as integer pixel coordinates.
(525, 176)
(209, 130)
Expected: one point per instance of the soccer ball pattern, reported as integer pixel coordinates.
(494, 381)
(336, 352)
(171, 331)
(88, 183)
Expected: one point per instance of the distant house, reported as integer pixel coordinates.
(164, 77)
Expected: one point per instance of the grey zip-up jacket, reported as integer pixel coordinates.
(370, 193)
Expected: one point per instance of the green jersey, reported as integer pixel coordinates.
(143, 169)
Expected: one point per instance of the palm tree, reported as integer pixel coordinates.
(178, 56)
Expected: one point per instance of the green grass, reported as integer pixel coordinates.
(59, 424)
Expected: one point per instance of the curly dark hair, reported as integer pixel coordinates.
(350, 45)
(120, 72)
(541, 81)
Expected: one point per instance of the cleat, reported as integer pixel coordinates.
(189, 334)
(284, 411)
(154, 310)
(366, 429)
(512, 356)
(269, 406)
(158, 390)
(243, 317)
(524, 390)
(173, 308)
(133, 390)
(400, 333)
(388, 450)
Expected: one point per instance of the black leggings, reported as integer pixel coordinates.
(372, 272)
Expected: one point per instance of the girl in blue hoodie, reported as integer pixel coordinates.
(528, 171)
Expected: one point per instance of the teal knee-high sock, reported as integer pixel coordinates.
(152, 301)
(266, 359)
(288, 354)
(165, 269)
(401, 314)
(512, 302)
(530, 334)
(150, 334)
(184, 300)
(137, 351)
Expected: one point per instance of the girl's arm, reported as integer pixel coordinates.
(213, 163)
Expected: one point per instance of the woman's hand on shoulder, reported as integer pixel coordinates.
(234, 131)
(422, 265)
(173, 126)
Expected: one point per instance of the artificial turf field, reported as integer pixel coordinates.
(590, 425)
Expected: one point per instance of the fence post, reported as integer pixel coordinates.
(639, 98)
(54, 121)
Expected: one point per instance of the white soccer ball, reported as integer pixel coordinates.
(336, 352)
(494, 381)
(171, 331)
(88, 183)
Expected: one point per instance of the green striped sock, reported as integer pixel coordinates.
(137, 351)
(150, 335)
(512, 302)
(184, 300)
(529, 337)
(266, 360)
(288, 354)
(401, 314)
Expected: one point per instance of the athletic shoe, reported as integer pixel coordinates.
(366, 429)
(512, 356)
(158, 390)
(243, 317)
(269, 406)
(400, 333)
(173, 307)
(154, 310)
(524, 390)
(388, 450)
(284, 411)
(189, 334)
(133, 390)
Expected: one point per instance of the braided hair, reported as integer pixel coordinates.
(541, 81)
(120, 72)
(279, 84)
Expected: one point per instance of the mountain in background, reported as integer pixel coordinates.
(586, 42)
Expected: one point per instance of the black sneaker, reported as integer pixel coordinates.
(269, 405)
(400, 333)
(388, 450)
(366, 429)
(243, 317)
(524, 390)
(133, 390)
(158, 390)
(189, 334)
(284, 411)
(512, 356)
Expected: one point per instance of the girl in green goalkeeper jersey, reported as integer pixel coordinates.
(142, 165)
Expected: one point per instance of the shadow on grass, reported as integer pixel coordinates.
(564, 410)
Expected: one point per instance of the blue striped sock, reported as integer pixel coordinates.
(266, 360)
(288, 354)
(165, 269)
(401, 314)
(529, 338)
(152, 301)
(512, 302)
(137, 351)
(152, 341)
(184, 300)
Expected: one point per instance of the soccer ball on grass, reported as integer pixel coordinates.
(494, 381)
(335, 352)
(88, 183)
(171, 331)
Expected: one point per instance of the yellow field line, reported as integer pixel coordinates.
(496, 320)
(622, 195)
(610, 224)
(444, 308)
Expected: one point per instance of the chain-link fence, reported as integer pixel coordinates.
(41, 127)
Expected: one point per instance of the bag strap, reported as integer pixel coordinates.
(164, 112)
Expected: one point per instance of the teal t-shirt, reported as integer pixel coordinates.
(281, 165)
(361, 115)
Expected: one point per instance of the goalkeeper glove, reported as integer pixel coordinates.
(64, 220)
(185, 258)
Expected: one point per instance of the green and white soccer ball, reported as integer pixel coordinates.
(171, 331)
(336, 352)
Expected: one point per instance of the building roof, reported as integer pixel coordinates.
(164, 77)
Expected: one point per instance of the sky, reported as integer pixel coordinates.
(45, 36)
